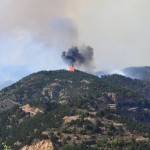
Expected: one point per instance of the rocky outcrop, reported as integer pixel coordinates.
(119, 99)
(42, 145)
(114, 96)
(68, 119)
(53, 91)
(32, 110)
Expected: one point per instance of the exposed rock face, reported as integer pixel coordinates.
(68, 119)
(31, 110)
(42, 145)
(113, 96)
(120, 99)
(52, 91)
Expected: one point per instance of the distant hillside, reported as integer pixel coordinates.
(76, 110)
(142, 73)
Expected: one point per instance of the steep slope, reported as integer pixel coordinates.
(72, 109)
(66, 86)
(47, 86)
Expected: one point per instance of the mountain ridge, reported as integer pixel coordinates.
(75, 108)
(142, 73)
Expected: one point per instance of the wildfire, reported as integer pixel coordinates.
(72, 69)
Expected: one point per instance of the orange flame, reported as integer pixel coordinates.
(72, 69)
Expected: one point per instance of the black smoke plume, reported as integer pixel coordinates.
(78, 56)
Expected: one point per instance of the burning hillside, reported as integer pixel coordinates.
(71, 69)
(78, 57)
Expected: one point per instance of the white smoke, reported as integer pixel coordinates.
(33, 33)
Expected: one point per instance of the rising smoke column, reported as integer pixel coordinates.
(78, 56)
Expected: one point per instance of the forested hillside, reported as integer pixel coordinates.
(76, 110)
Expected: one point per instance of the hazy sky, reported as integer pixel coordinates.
(33, 33)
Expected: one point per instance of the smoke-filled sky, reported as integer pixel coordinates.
(33, 33)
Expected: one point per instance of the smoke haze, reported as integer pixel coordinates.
(34, 33)
(47, 21)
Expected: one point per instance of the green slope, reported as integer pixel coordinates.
(87, 98)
